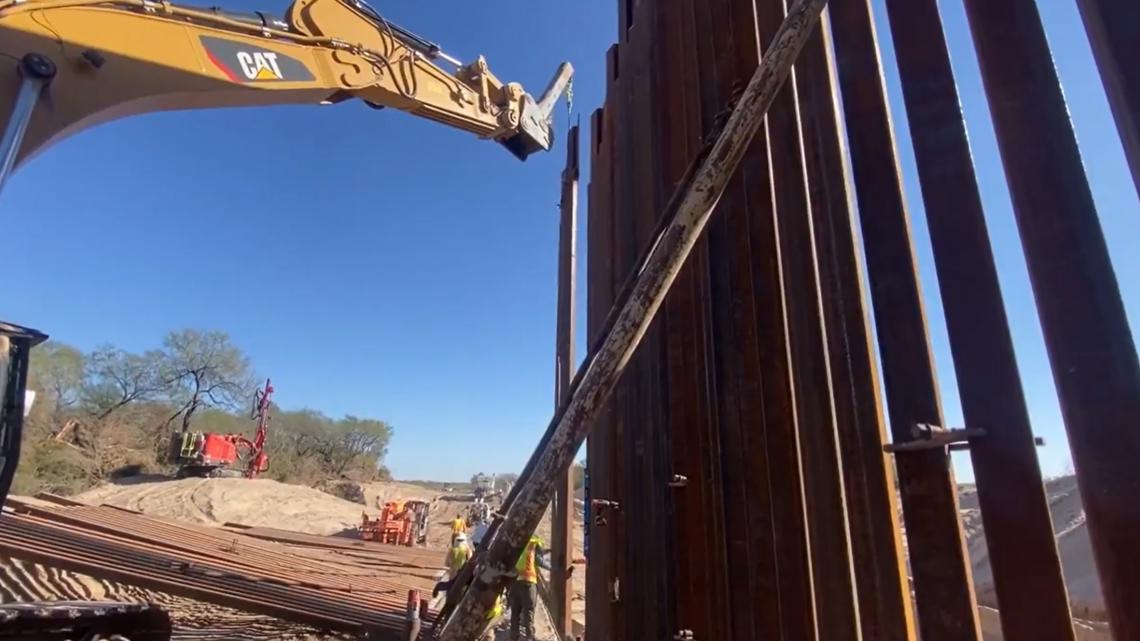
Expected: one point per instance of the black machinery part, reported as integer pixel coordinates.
(83, 621)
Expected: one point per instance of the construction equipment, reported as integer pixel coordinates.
(210, 454)
(258, 462)
(105, 60)
(478, 513)
(483, 487)
(401, 522)
(59, 620)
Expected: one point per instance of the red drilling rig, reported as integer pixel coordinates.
(258, 459)
(210, 454)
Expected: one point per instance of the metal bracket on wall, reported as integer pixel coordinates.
(601, 507)
(927, 436)
(962, 447)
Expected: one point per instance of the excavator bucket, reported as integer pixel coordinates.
(536, 132)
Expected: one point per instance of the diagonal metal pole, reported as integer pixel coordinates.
(688, 213)
(36, 72)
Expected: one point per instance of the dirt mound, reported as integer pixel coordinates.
(259, 502)
(378, 492)
(347, 490)
(249, 502)
(1085, 596)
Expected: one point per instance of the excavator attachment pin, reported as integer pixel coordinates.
(535, 131)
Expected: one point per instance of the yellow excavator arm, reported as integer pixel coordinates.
(88, 61)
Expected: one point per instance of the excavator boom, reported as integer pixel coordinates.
(90, 61)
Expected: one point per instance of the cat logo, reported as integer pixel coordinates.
(240, 63)
(259, 65)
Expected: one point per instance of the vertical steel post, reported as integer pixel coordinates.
(871, 493)
(1113, 27)
(1026, 568)
(939, 562)
(1090, 346)
(36, 72)
(563, 514)
(600, 608)
(686, 216)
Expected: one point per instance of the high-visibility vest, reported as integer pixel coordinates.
(456, 557)
(458, 525)
(496, 611)
(526, 568)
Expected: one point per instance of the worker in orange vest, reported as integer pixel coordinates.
(523, 593)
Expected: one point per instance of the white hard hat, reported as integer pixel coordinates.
(460, 538)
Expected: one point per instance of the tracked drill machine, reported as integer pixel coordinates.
(211, 454)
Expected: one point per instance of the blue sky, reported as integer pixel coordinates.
(376, 264)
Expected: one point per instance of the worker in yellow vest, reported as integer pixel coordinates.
(524, 590)
(457, 555)
(458, 526)
(493, 614)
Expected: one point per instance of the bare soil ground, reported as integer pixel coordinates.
(1085, 630)
(258, 502)
(376, 493)
(1073, 547)
(1071, 531)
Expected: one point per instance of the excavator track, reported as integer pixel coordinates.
(83, 621)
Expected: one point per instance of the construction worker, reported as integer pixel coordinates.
(457, 555)
(523, 593)
(494, 613)
(458, 526)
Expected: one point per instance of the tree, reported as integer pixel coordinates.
(57, 372)
(303, 432)
(205, 369)
(360, 441)
(116, 378)
(107, 413)
(350, 447)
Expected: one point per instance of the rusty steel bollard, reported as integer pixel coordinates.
(412, 616)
